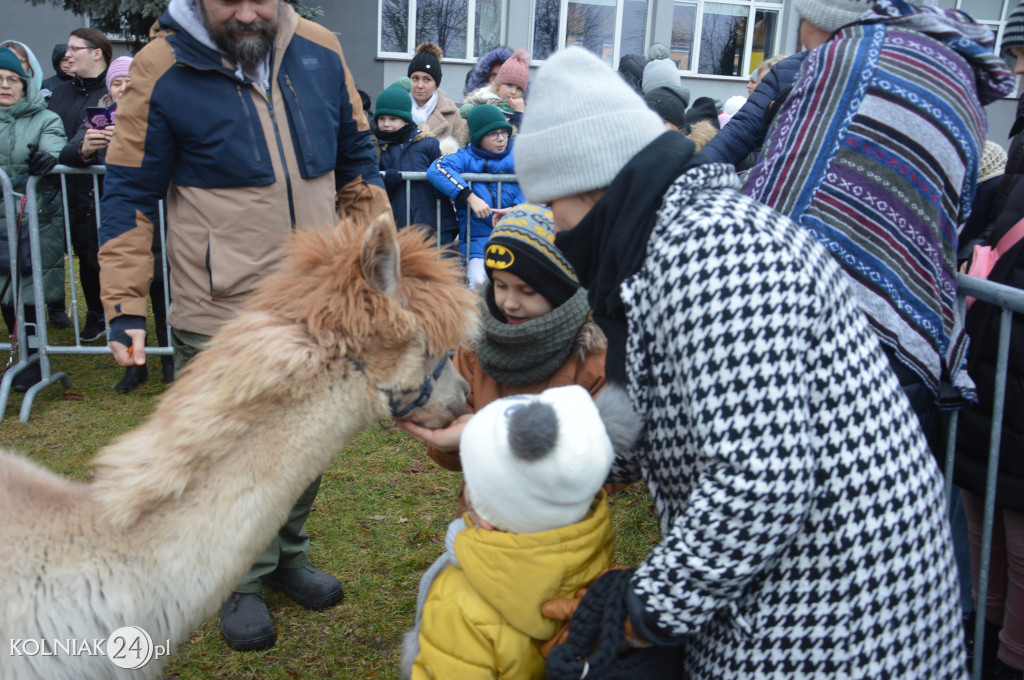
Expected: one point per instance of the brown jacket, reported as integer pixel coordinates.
(445, 120)
(584, 367)
(240, 168)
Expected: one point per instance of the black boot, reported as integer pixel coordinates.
(310, 587)
(28, 377)
(167, 366)
(133, 377)
(94, 329)
(58, 316)
(245, 622)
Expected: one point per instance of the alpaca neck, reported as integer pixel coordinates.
(235, 498)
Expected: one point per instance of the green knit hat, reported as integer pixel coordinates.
(483, 119)
(394, 101)
(9, 60)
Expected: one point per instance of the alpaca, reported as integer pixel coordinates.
(350, 330)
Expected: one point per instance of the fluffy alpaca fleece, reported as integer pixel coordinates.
(182, 505)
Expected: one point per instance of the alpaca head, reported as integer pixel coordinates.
(354, 327)
(383, 301)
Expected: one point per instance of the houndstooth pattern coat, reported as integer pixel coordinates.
(802, 514)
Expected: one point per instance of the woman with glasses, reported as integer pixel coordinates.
(89, 52)
(30, 139)
(489, 151)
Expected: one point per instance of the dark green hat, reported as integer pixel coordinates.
(394, 101)
(483, 119)
(9, 61)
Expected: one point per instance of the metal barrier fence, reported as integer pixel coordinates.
(40, 339)
(470, 177)
(1009, 300)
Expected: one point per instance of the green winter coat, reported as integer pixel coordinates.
(29, 122)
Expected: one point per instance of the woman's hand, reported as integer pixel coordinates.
(94, 141)
(444, 439)
(478, 206)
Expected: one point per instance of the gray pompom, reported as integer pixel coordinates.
(532, 430)
(658, 51)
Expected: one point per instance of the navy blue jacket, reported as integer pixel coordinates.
(748, 129)
(240, 167)
(416, 154)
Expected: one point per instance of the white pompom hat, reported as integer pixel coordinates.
(535, 462)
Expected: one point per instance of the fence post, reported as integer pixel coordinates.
(20, 362)
(41, 337)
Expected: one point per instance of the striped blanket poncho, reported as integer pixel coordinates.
(876, 153)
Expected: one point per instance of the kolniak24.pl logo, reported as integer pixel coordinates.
(127, 647)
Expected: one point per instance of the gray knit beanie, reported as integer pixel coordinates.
(831, 15)
(583, 125)
(661, 73)
(1013, 34)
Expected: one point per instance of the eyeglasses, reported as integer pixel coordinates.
(497, 134)
(10, 80)
(76, 48)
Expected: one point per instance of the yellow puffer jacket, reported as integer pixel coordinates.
(481, 618)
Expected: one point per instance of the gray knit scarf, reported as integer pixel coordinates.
(522, 354)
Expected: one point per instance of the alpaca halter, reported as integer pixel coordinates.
(426, 389)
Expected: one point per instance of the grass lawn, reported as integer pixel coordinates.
(377, 524)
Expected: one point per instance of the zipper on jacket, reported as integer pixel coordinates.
(248, 121)
(490, 187)
(300, 119)
(280, 150)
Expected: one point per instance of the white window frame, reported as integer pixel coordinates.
(563, 22)
(411, 41)
(752, 8)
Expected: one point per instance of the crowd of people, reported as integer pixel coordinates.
(766, 285)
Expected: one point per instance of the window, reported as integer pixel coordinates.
(404, 24)
(724, 38)
(608, 28)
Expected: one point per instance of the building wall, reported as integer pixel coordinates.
(38, 26)
(355, 22)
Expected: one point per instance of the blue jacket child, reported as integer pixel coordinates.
(489, 151)
(406, 147)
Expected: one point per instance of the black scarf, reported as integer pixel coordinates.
(395, 136)
(609, 244)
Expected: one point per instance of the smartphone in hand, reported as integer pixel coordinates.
(98, 117)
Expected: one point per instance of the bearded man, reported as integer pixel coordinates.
(245, 117)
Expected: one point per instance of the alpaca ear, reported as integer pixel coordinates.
(380, 256)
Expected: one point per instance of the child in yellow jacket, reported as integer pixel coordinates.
(538, 528)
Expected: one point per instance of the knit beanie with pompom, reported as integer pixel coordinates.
(515, 70)
(427, 60)
(535, 462)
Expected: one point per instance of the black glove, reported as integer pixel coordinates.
(392, 180)
(39, 162)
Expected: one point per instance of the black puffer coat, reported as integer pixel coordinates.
(982, 324)
(69, 101)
